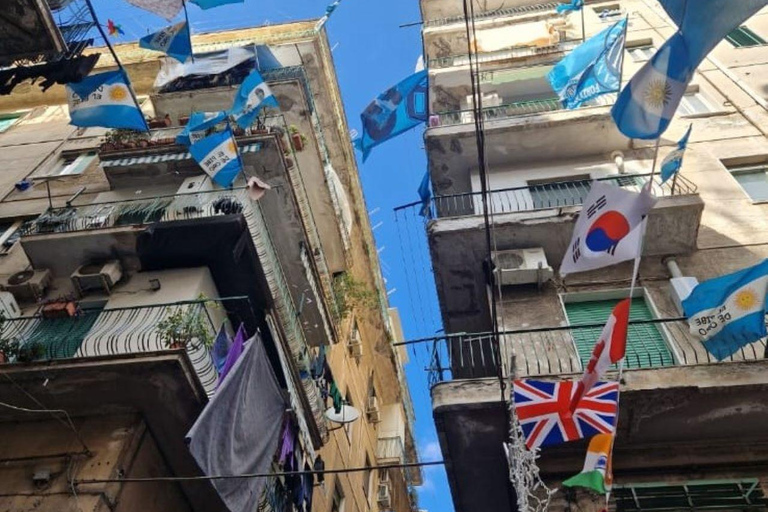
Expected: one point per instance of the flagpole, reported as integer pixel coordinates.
(117, 60)
(189, 29)
(237, 151)
(583, 29)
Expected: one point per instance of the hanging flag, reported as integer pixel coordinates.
(218, 156)
(596, 474)
(234, 353)
(728, 312)
(210, 4)
(543, 411)
(238, 432)
(104, 100)
(198, 123)
(609, 350)
(251, 97)
(575, 5)
(115, 29)
(328, 11)
(673, 161)
(591, 69)
(426, 197)
(608, 230)
(167, 9)
(174, 41)
(220, 349)
(647, 104)
(393, 112)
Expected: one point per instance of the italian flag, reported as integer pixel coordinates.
(596, 474)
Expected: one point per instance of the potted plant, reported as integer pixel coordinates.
(9, 349)
(29, 352)
(297, 139)
(185, 326)
(183, 120)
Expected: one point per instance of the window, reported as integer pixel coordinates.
(691, 496)
(70, 164)
(8, 120)
(642, 53)
(348, 426)
(337, 501)
(367, 479)
(562, 191)
(696, 103)
(646, 347)
(753, 179)
(743, 37)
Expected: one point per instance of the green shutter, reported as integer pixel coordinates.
(743, 37)
(646, 347)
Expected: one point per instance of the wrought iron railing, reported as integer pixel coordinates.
(517, 52)
(494, 14)
(565, 350)
(550, 195)
(508, 110)
(109, 331)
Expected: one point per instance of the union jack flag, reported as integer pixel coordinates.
(543, 409)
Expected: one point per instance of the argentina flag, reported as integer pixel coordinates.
(173, 41)
(198, 123)
(218, 156)
(104, 100)
(728, 312)
(251, 97)
(591, 69)
(674, 160)
(393, 112)
(647, 104)
(575, 5)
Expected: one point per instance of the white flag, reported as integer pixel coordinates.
(167, 9)
(609, 229)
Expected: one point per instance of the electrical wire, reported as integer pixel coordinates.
(253, 475)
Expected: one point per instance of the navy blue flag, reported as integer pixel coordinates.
(393, 112)
(647, 104)
(426, 196)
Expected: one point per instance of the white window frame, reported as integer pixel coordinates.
(733, 170)
(642, 53)
(701, 97)
(76, 167)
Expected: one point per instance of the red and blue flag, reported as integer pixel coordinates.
(543, 410)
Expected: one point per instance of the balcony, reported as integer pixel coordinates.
(522, 55)
(495, 13)
(513, 109)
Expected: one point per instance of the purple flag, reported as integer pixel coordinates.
(234, 353)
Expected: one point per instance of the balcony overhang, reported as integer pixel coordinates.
(161, 387)
(674, 422)
(28, 30)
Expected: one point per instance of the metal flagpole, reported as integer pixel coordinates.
(117, 60)
(655, 159)
(583, 29)
(189, 29)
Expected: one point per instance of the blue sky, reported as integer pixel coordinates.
(371, 53)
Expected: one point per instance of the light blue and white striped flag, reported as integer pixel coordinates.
(218, 156)
(575, 5)
(104, 100)
(673, 161)
(173, 41)
(197, 124)
(251, 97)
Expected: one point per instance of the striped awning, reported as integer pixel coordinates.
(167, 157)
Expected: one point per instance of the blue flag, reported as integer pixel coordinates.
(672, 163)
(591, 69)
(197, 124)
(575, 5)
(251, 97)
(174, 41)
(210, 4)
(426, 196)
(104, 100)
(218, 156)
(647, 104)
(393, 112)
(728, 312)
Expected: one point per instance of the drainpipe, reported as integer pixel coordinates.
(674, 270)
(680, 287)
(618, 159)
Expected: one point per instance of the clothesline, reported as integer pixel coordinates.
(254, 475)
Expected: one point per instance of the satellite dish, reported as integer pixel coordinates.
(348, 414)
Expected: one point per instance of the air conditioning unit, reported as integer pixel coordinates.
(9, 308)
(28, 284)
(522, 266)
(383, 497)
(372, 410)
(97, 276)
(355, 344)
(200, 183)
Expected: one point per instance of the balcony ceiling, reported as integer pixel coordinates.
(27, 30)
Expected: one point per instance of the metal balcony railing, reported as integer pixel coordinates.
(494, 14)
(508, 110)
(565, 350)
(517, 52)
(550, 195)
(103, 332)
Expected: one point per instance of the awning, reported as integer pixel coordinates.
(167, 157)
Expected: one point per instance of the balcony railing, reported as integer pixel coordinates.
(565, 350)
(550, 195)
(103, 332)
(494, 14)
(517, 52)
(508, 110)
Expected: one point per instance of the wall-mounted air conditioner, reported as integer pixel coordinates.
(372, 410)
(9, 308)
(28, 284)
(355, 344)
(383, 496)
(97, 276)
(522, 266)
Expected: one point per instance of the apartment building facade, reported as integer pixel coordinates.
(690, 433)
(111, 237)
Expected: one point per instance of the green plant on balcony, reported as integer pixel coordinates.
(350, 293)
(298, 140)
(121, 138)
(184, 327)
(9, 349)
(29, 352)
